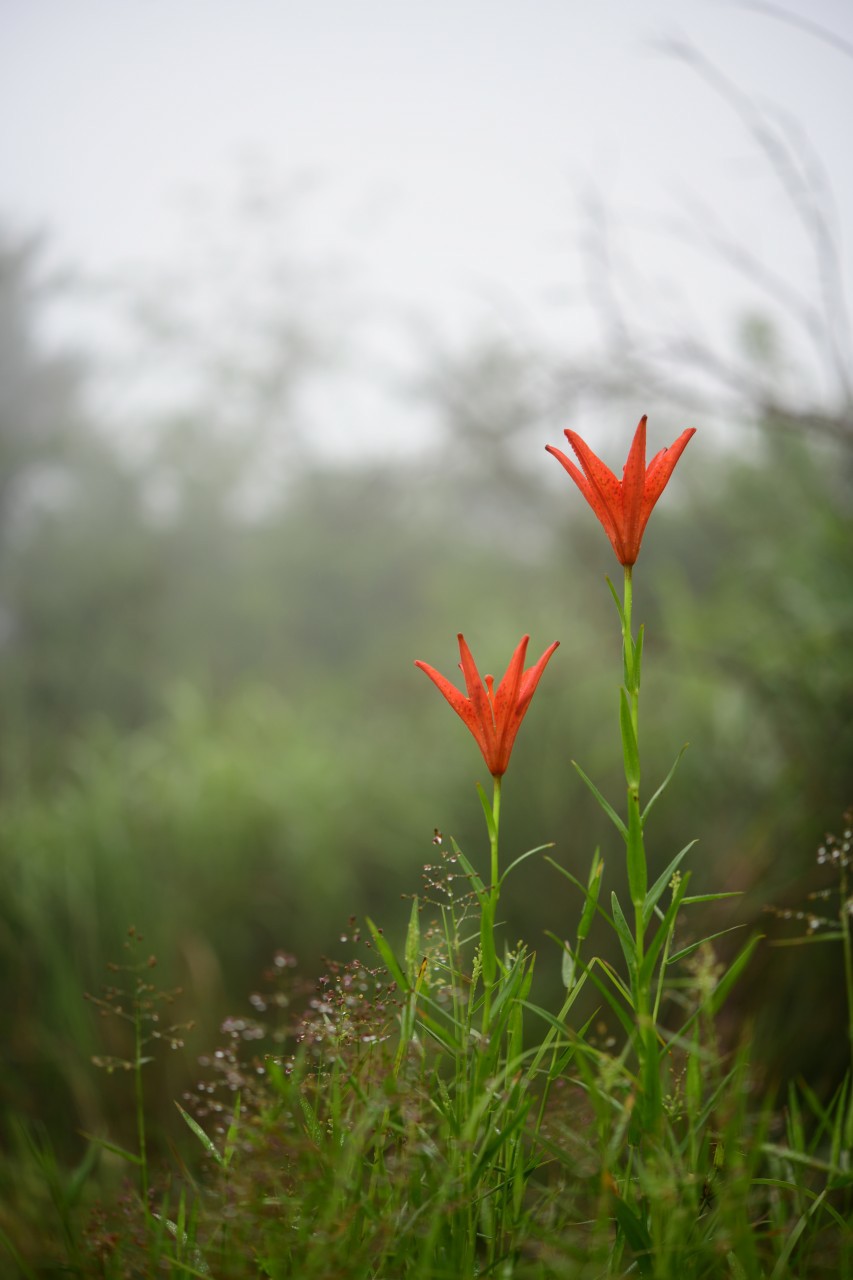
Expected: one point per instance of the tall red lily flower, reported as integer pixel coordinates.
(623, 506)
(493, 716)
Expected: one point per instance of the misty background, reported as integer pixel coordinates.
(291, 300)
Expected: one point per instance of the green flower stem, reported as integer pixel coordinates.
(636, 853)
(493, 838)
(632, 683)
(488, 952)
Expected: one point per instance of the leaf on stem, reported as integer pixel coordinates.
(654, 894)
(488, 811)
(636, 853)
(617, 602)
(208, 1144)
(522, 857)
(636, 1233)
(638, 656)
(694, 946)
(663, 786)
(412, 952)
(663, 931)
(630, 750)
(113, 1148)
(624, 933)
(388, 957)
(593, 889)
(605, 805)
(734, 971)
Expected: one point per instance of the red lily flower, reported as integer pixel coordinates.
(494, 717)
(623, 506)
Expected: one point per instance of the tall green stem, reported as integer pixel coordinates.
(493, 839)
(636, 852)
(489, 903)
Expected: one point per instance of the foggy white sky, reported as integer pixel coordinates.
(450, 145)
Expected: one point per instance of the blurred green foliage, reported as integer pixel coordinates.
(213, 730)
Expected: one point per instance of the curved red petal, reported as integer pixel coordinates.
(589, 493)
(633, 492)
(505, 703)
(481, 707)
(526, 690)
(661, 468)
(463, 708)
(604, 492)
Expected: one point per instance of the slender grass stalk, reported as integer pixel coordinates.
(138, 1089)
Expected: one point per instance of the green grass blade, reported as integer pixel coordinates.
(655, 893)
(208, 1144)
(605, 804)
(734, 971)
(663, 786)
(388, 957)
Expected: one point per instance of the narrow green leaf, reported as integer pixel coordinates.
(654, 894)
(605, 805)
(488, 811)
(638, 656)
(579, 885)
(439, 1031)
(476, 882)
(567, 967)
(502, 1134)
(623, 931)
(487, 941)
(312, 1124)
(593, 889)
(662, 932)
(636, 852)
(617, 601)
(116, 1150)
(734, 971)
(206, 1142)
(630, 750)
(694, 946)
(663, 786)
(693, 898)
(624, 1017)
(388, 957)
(412, 950)
(636, 1233)
(522, 857)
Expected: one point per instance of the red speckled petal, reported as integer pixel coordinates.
(506, 702)
(661, 468)
(633, 490)
(461, 705)
(481, 707)
(605, 492)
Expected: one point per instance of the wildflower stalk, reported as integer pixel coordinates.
(493, 839)
(632, 652)
(489, 902)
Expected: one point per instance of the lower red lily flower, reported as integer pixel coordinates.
(493, 716)
(623, 506)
